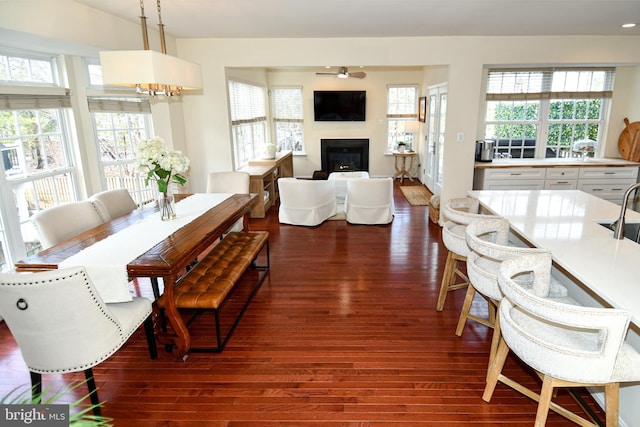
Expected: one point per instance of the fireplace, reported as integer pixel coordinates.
(344, 155)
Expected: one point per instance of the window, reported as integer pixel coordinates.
(248, 121)
(22, 69)
(543, 112)
(119, 126)
(38, 170)
(402, 107)
(288, 118)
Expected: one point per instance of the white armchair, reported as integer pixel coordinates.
(112, 204)
(369, 201)
(568, 345)
(306, 202)
(62, 325)
(62, 222)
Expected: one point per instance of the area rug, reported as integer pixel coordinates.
(416, 195)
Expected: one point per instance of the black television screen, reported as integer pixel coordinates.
(339, 105)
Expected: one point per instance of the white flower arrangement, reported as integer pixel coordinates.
(160, 164)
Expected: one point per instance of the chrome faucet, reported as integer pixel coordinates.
(618, 226)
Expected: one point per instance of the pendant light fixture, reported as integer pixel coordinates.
(151, 73)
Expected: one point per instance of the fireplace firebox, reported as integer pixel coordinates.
(344, 155)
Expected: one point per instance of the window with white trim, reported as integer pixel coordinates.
(37, 165)
(540, 113)
(247, 104)
(288, 118)
(119, 125)
(402, 107)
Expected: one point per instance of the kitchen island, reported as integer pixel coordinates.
(599, 270)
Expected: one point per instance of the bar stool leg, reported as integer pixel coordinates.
(451, 271)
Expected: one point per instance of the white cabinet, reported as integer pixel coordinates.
(509, 179)
(607, 183)
(561, 179)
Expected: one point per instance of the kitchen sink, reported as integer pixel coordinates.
(631, 229)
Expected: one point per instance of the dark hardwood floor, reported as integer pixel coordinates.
(343, 332)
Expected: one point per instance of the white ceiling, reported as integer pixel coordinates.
(380, 18)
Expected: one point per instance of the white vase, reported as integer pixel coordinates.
(167, 206)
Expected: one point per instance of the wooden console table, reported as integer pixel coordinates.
(401, 164)
(264, 180)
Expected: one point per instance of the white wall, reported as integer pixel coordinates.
(374, 128)
(458, 59)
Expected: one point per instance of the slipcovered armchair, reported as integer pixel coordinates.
(62, 325)
(306, 202)
(234, 182)
(62, 222)
(369, 201)
(112, 204)
(567, 345)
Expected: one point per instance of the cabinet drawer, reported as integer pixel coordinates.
(514, 173)
(521, 184)
(562, 173)
(630, 173)
(612, 190)
(561, 184)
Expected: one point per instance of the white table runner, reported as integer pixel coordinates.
(106, 261)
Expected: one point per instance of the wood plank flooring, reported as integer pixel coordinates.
(343, 332)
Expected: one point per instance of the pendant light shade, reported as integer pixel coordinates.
(150, 72)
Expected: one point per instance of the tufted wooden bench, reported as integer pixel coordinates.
(208, 284)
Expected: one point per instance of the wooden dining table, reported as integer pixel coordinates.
(168, 260)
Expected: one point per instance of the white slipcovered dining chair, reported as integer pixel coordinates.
(567, 345)
(488, 242)
(457, 214)
(62, 325)
(369, 201)
(59, 223)
(234, 182)
(112, 204)
(306, 202)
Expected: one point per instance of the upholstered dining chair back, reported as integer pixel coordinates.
(234, 182)
(61, 324)
(59, 223)
(112, 204)
(306, 202)
(369, 201)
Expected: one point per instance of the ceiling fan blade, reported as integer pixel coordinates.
(326, 74)
(358, 75)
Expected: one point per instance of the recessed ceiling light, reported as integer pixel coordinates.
(628, 25)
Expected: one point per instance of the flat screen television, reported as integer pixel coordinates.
(339, 105)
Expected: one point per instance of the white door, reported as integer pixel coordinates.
(436, 114)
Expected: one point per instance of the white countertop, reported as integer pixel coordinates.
(554, 163)
(565, 222)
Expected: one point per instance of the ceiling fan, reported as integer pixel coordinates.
(343, 73)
